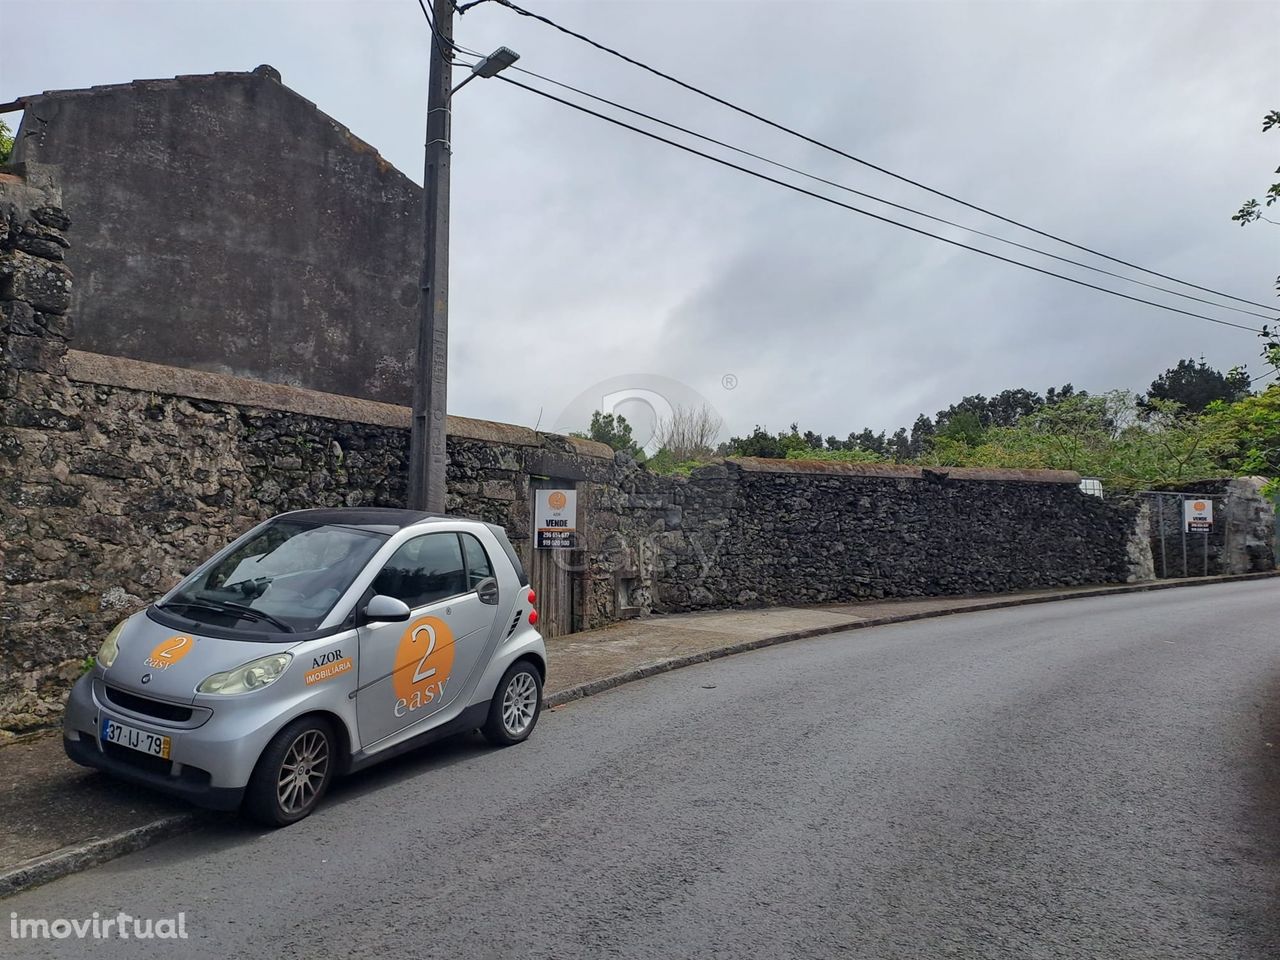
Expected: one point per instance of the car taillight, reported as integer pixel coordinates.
(533, 598)
(533, 618)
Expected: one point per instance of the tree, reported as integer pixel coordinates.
(1251, 212)
(613, 430)
(1196, 385)
(962, 426)
(900, 446)
(1007, 407)
(1057, 395)
(688, 434)
(1098, 436)
(975, 406)
(922, 433)
(870, 442)
(1251, 429)
(759, 443)
(6, 142)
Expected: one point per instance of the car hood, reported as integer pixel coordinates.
(160, 661)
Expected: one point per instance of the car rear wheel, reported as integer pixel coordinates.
(293, 773)
(513, 712)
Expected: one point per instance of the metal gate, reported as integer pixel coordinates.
(555, 577)
(1177, 551)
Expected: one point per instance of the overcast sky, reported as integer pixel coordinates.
(582, 252)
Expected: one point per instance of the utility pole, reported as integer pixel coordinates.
(427, 455)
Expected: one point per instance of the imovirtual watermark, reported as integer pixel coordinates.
(121, 926)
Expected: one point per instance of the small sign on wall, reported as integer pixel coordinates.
(1198, 514)
(555, 519)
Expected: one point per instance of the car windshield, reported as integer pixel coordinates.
(286, 578)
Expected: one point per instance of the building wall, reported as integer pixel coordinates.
(226, 224)
(117, 476)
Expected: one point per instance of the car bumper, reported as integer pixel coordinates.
(211, 758)
(189, 785)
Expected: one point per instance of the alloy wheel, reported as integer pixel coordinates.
(303, 772)
(519, 703)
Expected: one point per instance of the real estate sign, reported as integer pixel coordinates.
(1198, 515)
(555, 519)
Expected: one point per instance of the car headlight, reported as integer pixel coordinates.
(248, 677)
(109, 650)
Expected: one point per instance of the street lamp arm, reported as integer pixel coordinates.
(470, 77)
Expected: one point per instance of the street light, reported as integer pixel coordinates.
(490, 66)
(495, 62)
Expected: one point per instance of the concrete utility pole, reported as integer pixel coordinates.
(427, 456)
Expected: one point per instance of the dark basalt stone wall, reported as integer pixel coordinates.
(224, 223)
(750, 532)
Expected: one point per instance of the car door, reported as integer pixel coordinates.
(410, 671)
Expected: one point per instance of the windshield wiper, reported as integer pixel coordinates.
(253, 614)
(223, 606)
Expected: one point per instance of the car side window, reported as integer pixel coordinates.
(424, 570)
(478, 566)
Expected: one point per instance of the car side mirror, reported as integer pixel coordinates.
(487, 590)
(384, 609)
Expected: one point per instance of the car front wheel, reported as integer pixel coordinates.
(516, 703)
(292, 774)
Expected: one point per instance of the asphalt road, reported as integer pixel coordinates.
(1095, 778)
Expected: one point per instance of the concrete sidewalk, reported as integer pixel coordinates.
(59, 818)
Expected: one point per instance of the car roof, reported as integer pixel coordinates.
(377, 519)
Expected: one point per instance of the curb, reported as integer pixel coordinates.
(675, 663)
(72, 859)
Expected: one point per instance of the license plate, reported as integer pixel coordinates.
(113, 731)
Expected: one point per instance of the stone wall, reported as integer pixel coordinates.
(1242, 539)
(748, 532)
(117, 476)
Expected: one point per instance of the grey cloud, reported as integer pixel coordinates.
(1131, 127)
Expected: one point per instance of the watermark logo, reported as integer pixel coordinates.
(122, 926)
(650, 404)
(663, 415)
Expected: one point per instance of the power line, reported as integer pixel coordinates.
(438, 38)
(888, 203)
(848, 156)
(865, 213)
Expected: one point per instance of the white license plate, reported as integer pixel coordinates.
(113, 731)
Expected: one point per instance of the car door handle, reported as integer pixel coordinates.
(487, 591)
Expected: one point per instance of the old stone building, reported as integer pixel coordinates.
(226, 224)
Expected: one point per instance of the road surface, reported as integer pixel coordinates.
(1094, 778)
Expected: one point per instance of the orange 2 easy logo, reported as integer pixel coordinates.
(424, 660)
(168, 652)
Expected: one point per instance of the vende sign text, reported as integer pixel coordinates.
(1198, 514)
(555, 519)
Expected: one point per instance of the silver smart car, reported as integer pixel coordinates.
(318, 643)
